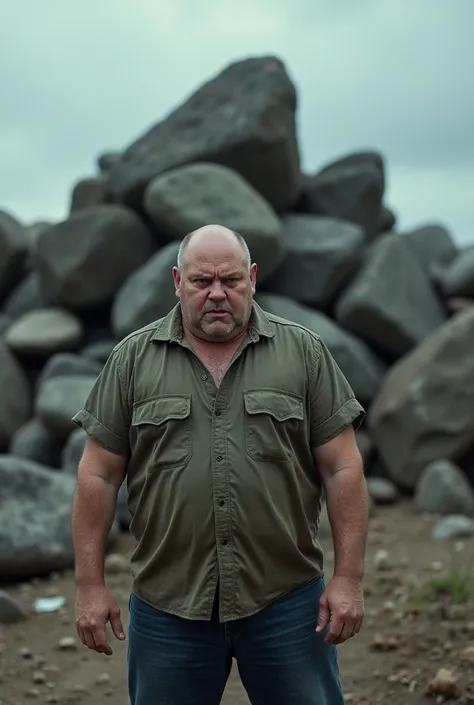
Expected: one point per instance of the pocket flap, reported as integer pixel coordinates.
(279, 404)
(160, 409)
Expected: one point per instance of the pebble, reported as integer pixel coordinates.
(444, 683)
(67, 643)
(103, 678)
(10, 609)
(116, 563)
(382, 491)
(452, 527)
(39, 677)
(382, 560)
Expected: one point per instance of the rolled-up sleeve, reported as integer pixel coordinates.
(332, 403)
(105, 416)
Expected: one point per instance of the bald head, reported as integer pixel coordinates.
(212, 239)
(215, 282)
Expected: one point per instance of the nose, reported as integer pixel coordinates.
(217, 292)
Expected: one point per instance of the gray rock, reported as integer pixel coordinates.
(15, 397)
(352, 192)
(424, 408)
(390, 303)
(453, 527)
(88, 192)
(458, 279)
(147, 294)
(59, 399)
(84, 260)
(44, 332)
(444, 489)
(35, 441)
(26, 297)
(433, 246)
(65, 364)
(189, 197)
(14, 250)
(364, 371)
(5, 323)
(382, 491)
(243, 118)
(362, 157)
(72, 451)
(388, 220)
(35, 519)
(320, 256)
(11, 612)
(99, 351)
(106, 161)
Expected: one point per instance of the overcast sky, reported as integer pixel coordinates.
(80, 77)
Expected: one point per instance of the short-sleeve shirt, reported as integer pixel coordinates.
(223, 489)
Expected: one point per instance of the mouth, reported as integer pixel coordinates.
(218, 311)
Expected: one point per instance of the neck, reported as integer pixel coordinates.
(227, 342)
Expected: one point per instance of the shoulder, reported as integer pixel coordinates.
(137, 339)
(286, 329)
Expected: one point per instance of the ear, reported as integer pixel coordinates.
(177, 280)
(253, 277)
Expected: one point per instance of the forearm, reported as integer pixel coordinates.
(347, 507)
(92, 517)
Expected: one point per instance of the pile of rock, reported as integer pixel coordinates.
(394, 308)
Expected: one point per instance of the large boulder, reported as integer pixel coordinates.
(390, 303)
(190, 197)
(35, 519)
(44, 332)
(433, 246)
(243, 118)
(15, 396)
(320, 256)
(458, 279)
(147, 294)
(14, 250)
(352, 188)
(364, 371)
(59, 399)
(83, 260)
(424, 409)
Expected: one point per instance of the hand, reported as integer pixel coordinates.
(342, 606)
(95, 606)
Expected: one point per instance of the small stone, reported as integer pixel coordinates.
(382, 560)
(67, 643)
(32, 693)
(103, 678)
(11, 611)
(25, 652)
(39, 677)
(382, 491)
(467, 655)
(437, 566)
(116, 563)
(453, 526)
(445, 684)
(383, 643)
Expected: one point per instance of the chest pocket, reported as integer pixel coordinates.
(274, 424)
(162, 428)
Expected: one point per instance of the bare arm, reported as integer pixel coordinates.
(341, 468)
(100, 475)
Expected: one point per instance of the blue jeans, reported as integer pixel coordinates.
(280, 658)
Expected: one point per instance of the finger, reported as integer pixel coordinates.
(100, 641)
(335, 630)
(346, 632)
(80, 634)
(116, 624)
(89, 639)
(323, 615)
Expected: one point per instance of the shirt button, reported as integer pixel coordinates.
(224, 542)
(218, 412)
(203, 377)
(219, 458)
(221, 503)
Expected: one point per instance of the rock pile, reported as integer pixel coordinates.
(396, 309)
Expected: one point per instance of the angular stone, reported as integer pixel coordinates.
(66, 364)
(45, 332)
(88, 192)
(320, 255)
(364, 371)
(243, 118)
(382, 491)
(443, 488)
(455, 526)
(432, 245)
(35, 441)
(72, 451)
(352, 191)
(390, 303)
(424, 408)
(15, 396)
(147, 294)
(84, 260)
(458, 279)
(14, 250)
(187, 198)
(25, 297)
(35, 519)
(59, 399)
(11, 612)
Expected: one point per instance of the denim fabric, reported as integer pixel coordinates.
(281, 659)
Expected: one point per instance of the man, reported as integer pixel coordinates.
(229, 424)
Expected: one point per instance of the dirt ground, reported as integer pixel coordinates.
(409, 651)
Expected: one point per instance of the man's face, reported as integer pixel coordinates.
(215, 287)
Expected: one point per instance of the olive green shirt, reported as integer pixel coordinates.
(222, 483)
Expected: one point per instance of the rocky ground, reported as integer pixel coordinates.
(417, 645)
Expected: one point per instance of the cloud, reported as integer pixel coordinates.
(87, 77)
